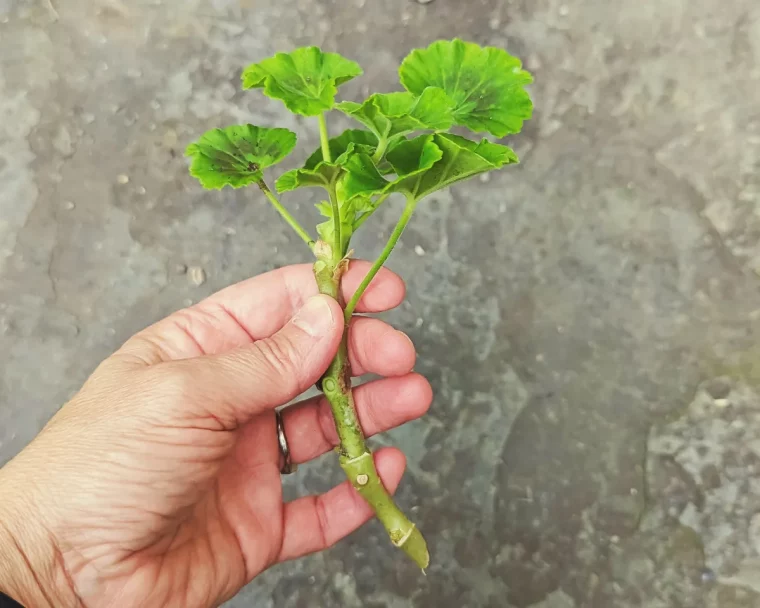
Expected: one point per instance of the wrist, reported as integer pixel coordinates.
(31, 568)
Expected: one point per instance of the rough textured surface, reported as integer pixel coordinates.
(561, 308)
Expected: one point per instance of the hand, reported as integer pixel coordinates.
(159, 483)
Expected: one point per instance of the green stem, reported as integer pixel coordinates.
(382, 146)
(338, 248)
(355, 458)
(397, 231)
(292, 222)
(325, 139)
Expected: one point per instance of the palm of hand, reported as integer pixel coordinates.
(171, 494)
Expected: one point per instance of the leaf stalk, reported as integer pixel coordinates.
(324, 138)
(286, 215)
(411, 203)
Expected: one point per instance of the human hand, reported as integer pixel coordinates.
(159, 483)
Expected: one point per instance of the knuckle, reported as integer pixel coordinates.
(279, 357)
(326, 423)
(323, 521)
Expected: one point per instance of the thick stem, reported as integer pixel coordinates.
(292, 222)
(355, 457)
(325, 139)
(337, 224)
(397, 231)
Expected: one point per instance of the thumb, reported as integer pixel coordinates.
(235, 386)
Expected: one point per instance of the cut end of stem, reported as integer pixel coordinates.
(414, 546)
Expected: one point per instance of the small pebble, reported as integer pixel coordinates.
(419, 250)
(494, 23)
(170, 138)
(485, 178)
(122, 179)
(196, 275)
(424, 1)
(564, 10)
(230, 231)
(708, 576)
(718, 388)
(88, 118)
(69, 205)
(180, 269)
(141, 190)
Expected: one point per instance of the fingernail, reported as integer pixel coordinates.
(408, 339)
(315, 318)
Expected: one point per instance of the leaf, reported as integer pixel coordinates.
(342, 145)
(461, 159)
(486, 84)
(415, 156)
(393, 114)
(305, 80)
(426, 164)
(316, 172)
(237, 155)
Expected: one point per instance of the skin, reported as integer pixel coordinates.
(158, 484)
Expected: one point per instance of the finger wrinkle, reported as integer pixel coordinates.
(222, 307)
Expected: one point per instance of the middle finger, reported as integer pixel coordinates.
(381, 405)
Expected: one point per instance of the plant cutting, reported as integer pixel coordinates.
(405, 147)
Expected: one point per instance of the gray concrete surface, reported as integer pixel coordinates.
(588, 319)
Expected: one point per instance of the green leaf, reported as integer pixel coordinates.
(393, 114)
(343, 145)
(461, 159)
(407, 159)
(326, 230)
(305, 80)
(237, 155)
(316, 172)
(426, 164)
(486, 84)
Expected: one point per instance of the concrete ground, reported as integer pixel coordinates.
(588, 319)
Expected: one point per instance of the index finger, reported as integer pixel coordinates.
(263, 304)
(252, 310)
